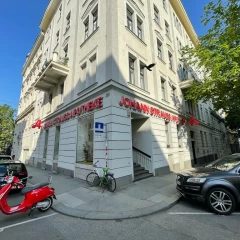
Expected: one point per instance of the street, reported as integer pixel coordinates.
(186, 220)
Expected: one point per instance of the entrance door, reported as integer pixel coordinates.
(194, 152)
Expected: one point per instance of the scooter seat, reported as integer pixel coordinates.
(36, 186)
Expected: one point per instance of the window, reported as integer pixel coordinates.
(95, 20)
(65, 51)
(156, 14)
(86, 29)
(201, 134)
(60, 11)
(139, 28)
(68, 20)
(131, 70)
(211, 139)
(129, 20)
(93, 69)
(190, 106)
(167, 132)
(185, 74)
(167, 29)
(205, 135)
(201, 113)
(160, 50)
(50, 101)
(56, 143)
(61, 92)
(180, 135)
(174, 95)
(170, 57)
(85, 139)
(164, 4)
(142, 81)
(197, 112)
(174, 19)
(45, 144)
(57, 35)
(163, 88)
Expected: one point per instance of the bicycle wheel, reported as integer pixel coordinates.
(93, 179)
(111, 183)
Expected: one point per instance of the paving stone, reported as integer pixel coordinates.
(168, 190)
(69, 200)
(157, 198)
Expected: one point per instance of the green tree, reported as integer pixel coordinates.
(7, 115)
(217, 56)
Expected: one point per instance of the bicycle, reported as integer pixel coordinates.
(94, 180)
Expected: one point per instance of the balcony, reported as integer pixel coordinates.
(50, 75)
(186, 84)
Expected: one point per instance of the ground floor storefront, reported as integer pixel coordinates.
(120, 130)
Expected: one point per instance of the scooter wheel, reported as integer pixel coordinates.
(50, 200)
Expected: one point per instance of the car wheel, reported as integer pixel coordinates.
(221, 201)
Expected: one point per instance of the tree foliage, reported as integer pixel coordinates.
(7, 115)
(217, 56)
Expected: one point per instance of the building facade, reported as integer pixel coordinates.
(87, 94)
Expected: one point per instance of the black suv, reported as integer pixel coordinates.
(217, 184)
(17, 168)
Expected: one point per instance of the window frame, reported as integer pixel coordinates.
(156, 14)
(95, 20)
(170, 58)
(86, 29)
(132, 69)
(139, 28)
(129, 19)
(163, 88)
(159, 50)
(68, 18)
(142, 75)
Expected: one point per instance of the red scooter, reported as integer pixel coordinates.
(38, 196)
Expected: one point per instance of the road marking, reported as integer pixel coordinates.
(17, 224)
(196, 213)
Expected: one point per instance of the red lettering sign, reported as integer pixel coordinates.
(128, 103)
(37, 124)
(193, 121)
(86, 107)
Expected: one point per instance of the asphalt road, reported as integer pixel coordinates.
(186, 220)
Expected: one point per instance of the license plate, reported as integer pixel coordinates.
(178, 182)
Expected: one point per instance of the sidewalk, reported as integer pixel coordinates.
(75, 198)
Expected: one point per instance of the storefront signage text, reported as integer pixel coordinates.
(193, 121)
(87, 107)
(141, 107)
(37, 124)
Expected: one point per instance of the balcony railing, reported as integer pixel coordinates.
(52, 72)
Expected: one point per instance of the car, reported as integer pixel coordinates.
(15, 168)
(5, 158)
(217, 184)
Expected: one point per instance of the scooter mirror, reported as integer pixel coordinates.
(30, 177)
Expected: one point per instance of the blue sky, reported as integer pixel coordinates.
(19, 28)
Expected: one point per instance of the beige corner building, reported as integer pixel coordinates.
(86, 82)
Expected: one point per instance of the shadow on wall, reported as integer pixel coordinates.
(30, 148)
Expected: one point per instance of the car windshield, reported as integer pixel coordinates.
(225, 163)
(3, 168)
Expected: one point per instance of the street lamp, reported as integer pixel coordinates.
(150, 66)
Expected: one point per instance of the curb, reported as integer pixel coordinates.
(99, 215)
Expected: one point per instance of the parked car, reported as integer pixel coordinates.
(217, 184)
(5, 158)
(18, 169)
